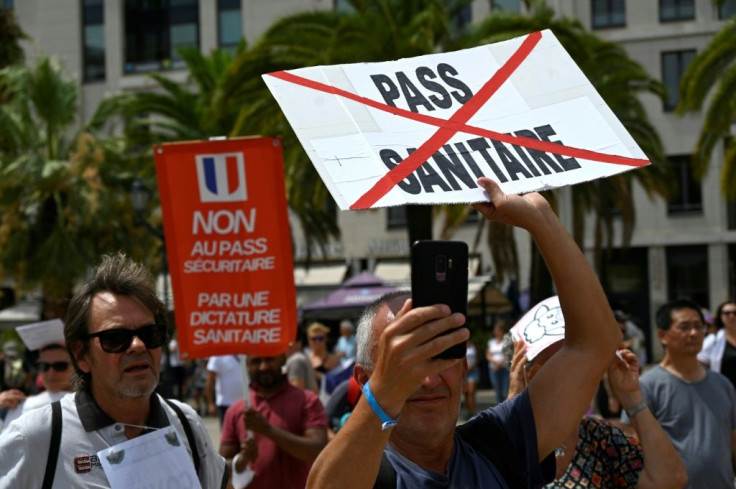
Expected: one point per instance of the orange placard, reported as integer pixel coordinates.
(229, 245)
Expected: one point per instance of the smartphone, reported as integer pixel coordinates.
(439, 275)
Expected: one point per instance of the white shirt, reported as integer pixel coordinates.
(46, 397)
(496, 349)
(229, 381)
(31, 403)
(25, 444)
(713, 347)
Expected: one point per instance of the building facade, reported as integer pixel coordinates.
(685, 247)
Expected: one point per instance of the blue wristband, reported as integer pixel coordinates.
(387, 421)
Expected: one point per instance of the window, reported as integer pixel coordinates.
(731, 214)
(625, 278)
(674, 10)
(93, 40)
(688, 195)
(687, 273)
(513, 6)
(155, 30)
(462, 19)
(674, 64)
(344, 6)
(727, 9)
(230, 22)
(396, 217)
(608, 13)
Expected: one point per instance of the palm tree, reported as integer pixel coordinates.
(208, 105)
(182, 112)
(57, 210)
(619, 80)
(372, 30)
(713, 72)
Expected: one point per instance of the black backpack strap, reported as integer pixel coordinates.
(386, 475)
(48, 478)
(225, 477)
(189, 433)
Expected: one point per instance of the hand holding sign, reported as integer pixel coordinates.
(423, 130)
(540, 327)
(515, 210)
(255, 422)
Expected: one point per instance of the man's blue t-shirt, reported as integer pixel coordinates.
(513, 420)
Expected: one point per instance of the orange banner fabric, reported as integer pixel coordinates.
(229, 246)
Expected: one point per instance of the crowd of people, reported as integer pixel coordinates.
(392, 420)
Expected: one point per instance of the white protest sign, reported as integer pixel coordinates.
(540, 327)
(422, 130)
(156, 459)
(37, 335)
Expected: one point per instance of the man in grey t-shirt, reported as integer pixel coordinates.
(696, 407)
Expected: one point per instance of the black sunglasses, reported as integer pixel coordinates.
(117, 340)
(58, 366)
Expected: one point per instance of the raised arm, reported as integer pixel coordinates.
(663, 468)
(517, 378)
(561, 392)
(402, 361)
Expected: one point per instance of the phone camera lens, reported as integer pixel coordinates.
(440, 268)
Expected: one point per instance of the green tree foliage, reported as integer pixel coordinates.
(174, 111)
(620, 81)
(10, 35)
(371, 30)
(711, 76)
(170, 111)
(58, 210)
(218, 99)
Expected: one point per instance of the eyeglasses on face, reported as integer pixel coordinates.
(729, 313)
(317, 339)
(58, 366)
(686, 327)
(117, 340)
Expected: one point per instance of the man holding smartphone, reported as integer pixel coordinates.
(402, 433)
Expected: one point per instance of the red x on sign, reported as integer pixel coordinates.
(458, 122)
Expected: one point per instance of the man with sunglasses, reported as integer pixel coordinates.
(56, 376)
(696, 407)
(114, 331)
